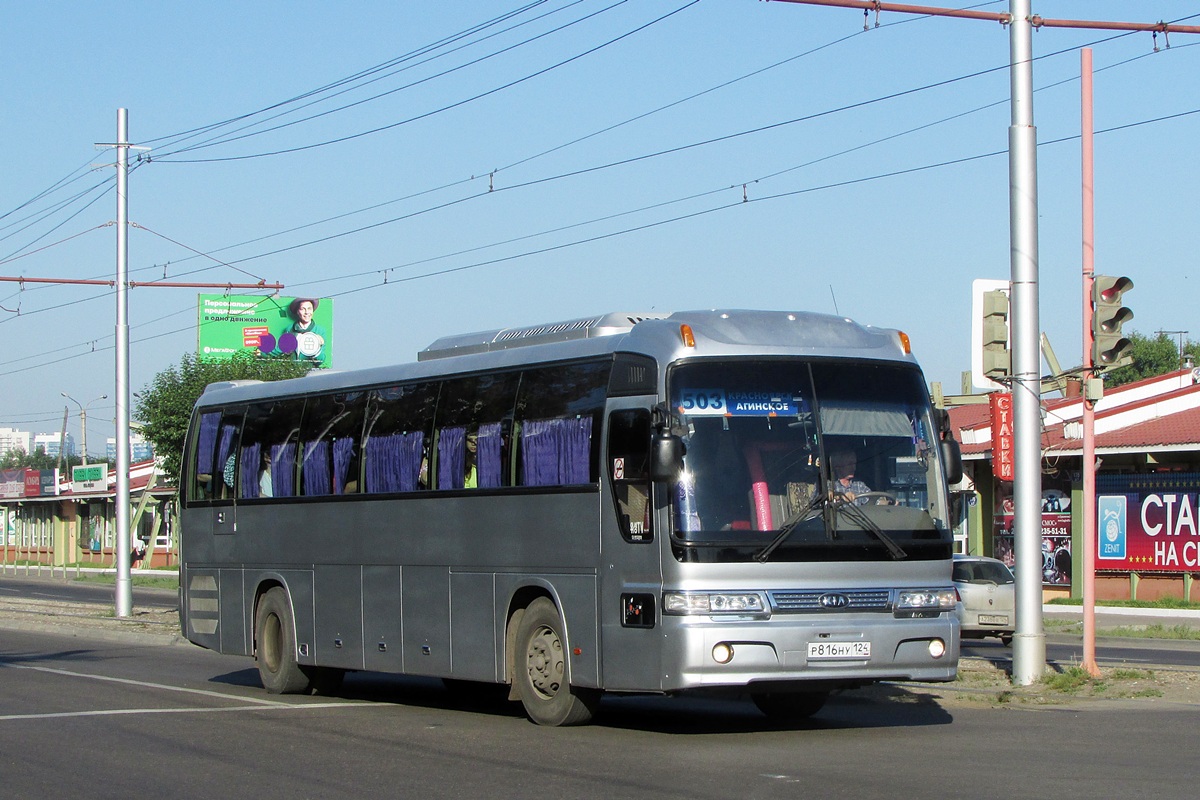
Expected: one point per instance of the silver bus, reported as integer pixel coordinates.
(738, 502)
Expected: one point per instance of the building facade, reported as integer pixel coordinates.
(1147, 512)
(45, 519)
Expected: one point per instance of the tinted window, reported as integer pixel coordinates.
(629, 436)
(214, 468)
(474, 424)
(558, 423)
(330, 444)
(270, 443)
(396, 437)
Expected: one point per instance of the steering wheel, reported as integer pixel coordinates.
(880, 498)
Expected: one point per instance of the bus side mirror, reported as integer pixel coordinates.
(666, 458)
(952, 460)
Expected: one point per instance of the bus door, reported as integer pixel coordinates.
(213, 476)
(630, 569)
(212, 595)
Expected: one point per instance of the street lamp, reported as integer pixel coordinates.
(82, 420)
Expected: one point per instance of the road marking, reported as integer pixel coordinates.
(144, 685)
(257, 703)
(120, 711)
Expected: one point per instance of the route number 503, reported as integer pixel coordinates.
(702, 401)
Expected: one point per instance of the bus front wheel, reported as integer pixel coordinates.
(541, 670)
(275, 635)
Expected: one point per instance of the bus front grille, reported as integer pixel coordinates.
(825, 600)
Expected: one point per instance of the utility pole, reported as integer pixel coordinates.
(124, 588)
(124, 591)
(83, 407)
(1029, 642)
(1088, 461)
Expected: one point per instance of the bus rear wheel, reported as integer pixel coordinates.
(789, 706)
(275, 637)
(541, 670)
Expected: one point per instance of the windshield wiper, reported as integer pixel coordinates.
(856, 514)
(815, 507)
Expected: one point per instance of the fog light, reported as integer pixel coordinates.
(937, 648)
(722, 653)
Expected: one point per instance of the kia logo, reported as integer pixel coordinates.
(834, 601)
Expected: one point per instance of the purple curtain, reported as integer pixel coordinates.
(556, 451)
(250, 462)
(283, 470)
(343, 449)
(206, 447)
(488, 464)
(394, 462)
(314, 470)
(225, 450)
(452, 457)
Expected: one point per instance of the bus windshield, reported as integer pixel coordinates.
(806, 461)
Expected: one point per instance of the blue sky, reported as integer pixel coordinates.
(619, 141)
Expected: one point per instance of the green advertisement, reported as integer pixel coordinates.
(279, 327)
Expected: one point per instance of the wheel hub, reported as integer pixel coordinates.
(545, 662)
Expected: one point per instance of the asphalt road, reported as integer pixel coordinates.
(95, 718)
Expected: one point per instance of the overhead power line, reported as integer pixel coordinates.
(448, 107)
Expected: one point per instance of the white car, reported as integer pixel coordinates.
(987, 598)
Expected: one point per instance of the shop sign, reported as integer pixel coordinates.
(1147, 523)
(12, 484)
(89, 478)
(1002, 435)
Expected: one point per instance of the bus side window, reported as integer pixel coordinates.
(269, 447)
(557, 422)
(225, 466)
(204, 466)
(396, 438)
(329, 444)
(472, 415)
(629, 438)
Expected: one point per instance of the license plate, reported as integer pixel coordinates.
(818, 650)
(992, 619)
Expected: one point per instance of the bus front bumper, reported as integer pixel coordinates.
(705, 652)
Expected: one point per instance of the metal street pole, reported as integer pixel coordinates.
(124, 590)
(1088, 467)
(1029, 642)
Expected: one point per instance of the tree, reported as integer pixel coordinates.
(17, 458)
(165, 405)
(1151, 356)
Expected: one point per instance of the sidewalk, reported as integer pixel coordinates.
(1108, 617)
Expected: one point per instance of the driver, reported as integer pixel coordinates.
(844, 462)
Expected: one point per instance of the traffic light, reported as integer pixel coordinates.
(1109, 347)
(997, 361)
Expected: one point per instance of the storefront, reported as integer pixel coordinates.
(45, 522)
(1147, 445)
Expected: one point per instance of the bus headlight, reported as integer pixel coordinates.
(925, 600)
(750, 603)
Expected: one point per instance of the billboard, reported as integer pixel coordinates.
(1056, 529)
(298, 328)
(1148, 522)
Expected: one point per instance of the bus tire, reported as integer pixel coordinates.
(275, 650)
(541, 670)
(789, 706)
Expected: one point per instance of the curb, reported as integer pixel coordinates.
(107, 634)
